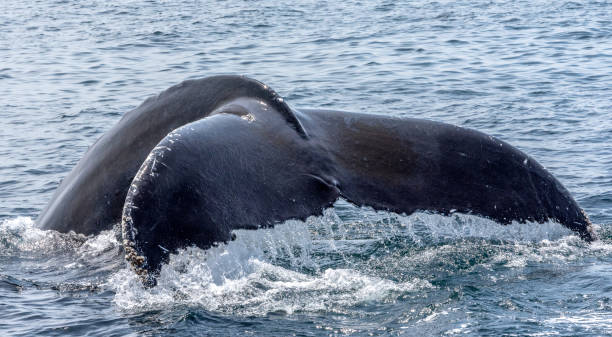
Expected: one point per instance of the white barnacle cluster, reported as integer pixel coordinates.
(263, 104)
(136, 261)
(173, 136)
(248, 117)
(128, 233)
(127, 229)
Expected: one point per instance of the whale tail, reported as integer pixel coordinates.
(90, 198)
(405, 165)
(215, 175)
(252, 163)
(244, 168)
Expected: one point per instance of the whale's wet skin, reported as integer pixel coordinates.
(535, 75)
(210, 156)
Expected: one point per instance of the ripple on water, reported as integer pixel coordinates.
(535, 74)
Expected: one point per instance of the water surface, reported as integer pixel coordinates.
(537, 74)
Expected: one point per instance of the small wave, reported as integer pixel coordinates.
(20, 237)
(584, 320)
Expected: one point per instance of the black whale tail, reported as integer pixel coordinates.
(91, 196)
(253, 162)
(217, 174)
(443, 168)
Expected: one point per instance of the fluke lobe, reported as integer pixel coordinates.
(216, 154)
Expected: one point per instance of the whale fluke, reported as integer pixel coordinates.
(209, 156)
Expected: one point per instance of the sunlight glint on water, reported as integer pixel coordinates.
(534, 73)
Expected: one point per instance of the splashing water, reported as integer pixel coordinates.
(353, 262)
(349, 257)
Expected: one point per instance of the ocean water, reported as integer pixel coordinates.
(537, 74)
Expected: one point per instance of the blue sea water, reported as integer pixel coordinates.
(537, 74)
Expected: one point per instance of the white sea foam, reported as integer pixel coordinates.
(261, 272)
(305, 266)
(20, 236)
(348, 257)
(585, 320)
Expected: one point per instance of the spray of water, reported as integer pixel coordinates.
(349, 257)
